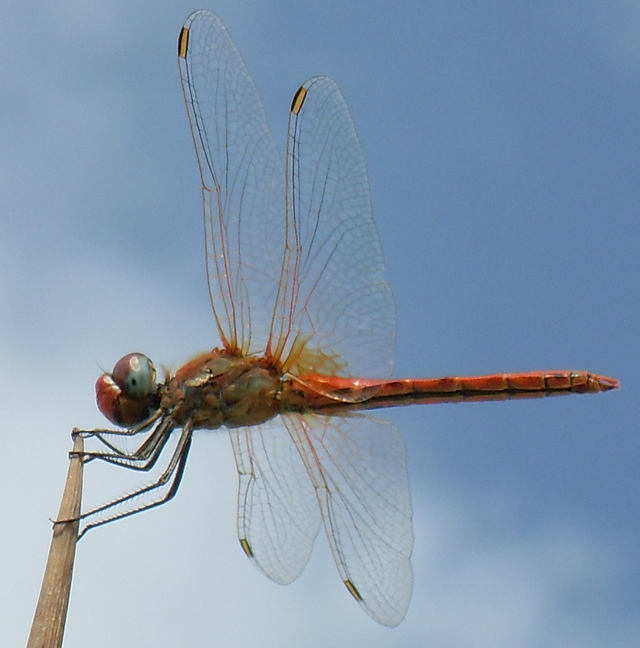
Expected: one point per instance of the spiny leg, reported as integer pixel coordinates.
(142, 458)
(172, 475)
(125, 432)
(141, 464)
(101, 433)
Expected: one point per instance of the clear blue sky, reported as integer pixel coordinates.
(503, 149)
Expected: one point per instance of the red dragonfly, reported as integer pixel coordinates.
(296, 280)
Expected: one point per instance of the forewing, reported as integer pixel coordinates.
(335, 312)
(278, 514)
(242, 182)
(358, 468)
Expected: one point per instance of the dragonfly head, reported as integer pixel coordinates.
(129, 394)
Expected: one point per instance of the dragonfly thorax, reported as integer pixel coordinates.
(216, 390)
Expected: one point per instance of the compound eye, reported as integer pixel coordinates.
(135, 374)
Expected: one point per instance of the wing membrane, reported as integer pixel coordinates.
(278, 517)
(358, 468)
(242, 182)
(294, 262)
(335, 312)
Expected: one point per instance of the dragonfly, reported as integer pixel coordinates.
(305, 317)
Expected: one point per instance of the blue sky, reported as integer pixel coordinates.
(503, 149)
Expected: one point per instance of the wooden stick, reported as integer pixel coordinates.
(49, 620)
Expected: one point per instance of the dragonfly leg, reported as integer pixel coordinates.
(140, 463)
(127, 432)
(143, 457)
(171, 476)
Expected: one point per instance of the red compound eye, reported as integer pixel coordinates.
(135, 374)
(128, 395)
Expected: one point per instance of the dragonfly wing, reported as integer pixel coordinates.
(335, 312)
(278, 515)
(358, 468)
(242, 176)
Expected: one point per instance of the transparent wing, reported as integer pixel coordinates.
(278, 515)
(295, 271)
(358, 468)
(242, 182)
(335, 312)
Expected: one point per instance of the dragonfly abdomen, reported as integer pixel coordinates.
(342, 394)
